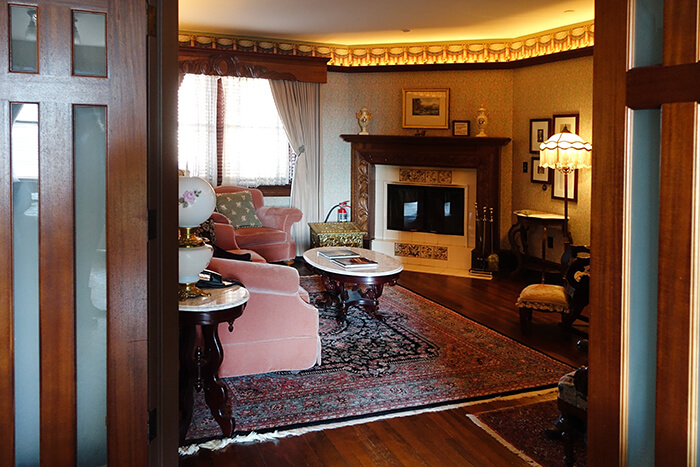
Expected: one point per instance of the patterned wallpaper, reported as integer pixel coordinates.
(511, 98)
(539, 92)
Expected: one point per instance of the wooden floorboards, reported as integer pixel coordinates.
(446, 438)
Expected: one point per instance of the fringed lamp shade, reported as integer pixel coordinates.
(565, 152)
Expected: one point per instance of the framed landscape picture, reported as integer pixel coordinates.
(569, 122)
(539, 174)
(539, 132)
(558, 185)
(426, 108)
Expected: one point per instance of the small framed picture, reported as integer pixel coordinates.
(539, 174)
(558, 185)
(460, 127)
(565, 122)
(426, 108)
(539, 133)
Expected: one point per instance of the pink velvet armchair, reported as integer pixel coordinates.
(273, 241)
(278, 329)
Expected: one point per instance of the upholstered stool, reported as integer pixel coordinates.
(541, 297)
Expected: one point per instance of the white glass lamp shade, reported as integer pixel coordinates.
(196, 201)
(566, 152)
(192, 261)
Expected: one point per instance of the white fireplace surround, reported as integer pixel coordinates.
(420, 251)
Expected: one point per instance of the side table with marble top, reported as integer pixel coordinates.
(199, 364)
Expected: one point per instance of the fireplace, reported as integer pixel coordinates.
(373, 153)
(441, 234)
(425, 208)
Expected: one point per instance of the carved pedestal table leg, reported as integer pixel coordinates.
(186, 380)
(214, 390)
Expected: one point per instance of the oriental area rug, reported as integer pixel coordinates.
(420, 355)
(521, 429)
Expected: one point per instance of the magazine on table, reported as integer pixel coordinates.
(334, 253)
(355, 263)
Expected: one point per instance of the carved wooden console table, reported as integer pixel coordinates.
(482, 154)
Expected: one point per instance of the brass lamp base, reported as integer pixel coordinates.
(186, 291)
(187, 238)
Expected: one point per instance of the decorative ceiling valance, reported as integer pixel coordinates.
(567, 39)
(252, 65)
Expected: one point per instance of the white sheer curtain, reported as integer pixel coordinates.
(197, 126)
(255, 144)
(299, 107)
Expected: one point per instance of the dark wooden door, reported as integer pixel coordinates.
(90, 68)
(645, 83)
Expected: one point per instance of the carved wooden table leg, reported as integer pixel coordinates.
(214, 390)
(372, 294)
(514, 234)
(186, 380)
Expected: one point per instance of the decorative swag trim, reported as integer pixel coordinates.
(252, 65)
(469, 52)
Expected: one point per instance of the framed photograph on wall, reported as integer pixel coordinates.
(539, 174)
(539, 132)
(426, 108)
(460, 127)
(570, 122)
(558, 185)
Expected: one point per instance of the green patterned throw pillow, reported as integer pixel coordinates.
(238, 208)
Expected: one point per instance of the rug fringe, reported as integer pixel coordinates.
(529, 460)
(254, 437)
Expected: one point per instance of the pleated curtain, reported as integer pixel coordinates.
(299, 107)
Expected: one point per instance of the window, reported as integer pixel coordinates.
(251, 148)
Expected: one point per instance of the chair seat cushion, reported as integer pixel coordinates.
(569, 394)
(253, 236)
(544, 297)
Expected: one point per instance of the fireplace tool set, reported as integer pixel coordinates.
(484, 257)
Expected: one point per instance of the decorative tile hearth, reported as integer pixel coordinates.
(412, 250)
(443, 177)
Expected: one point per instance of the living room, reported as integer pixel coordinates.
(644, 273)
(516, 100)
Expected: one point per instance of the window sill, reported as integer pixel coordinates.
(275, 190)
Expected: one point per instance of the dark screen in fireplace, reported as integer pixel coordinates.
(433, 209)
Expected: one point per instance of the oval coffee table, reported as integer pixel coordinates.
(367, 283)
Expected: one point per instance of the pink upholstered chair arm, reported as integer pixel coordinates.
(259, 277)
(225, 236)
(219, 218)
(278, 218)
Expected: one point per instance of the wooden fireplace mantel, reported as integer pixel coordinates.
(482, 154)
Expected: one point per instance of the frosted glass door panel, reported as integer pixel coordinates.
(23, 39)
(89, 41)
(24, 155)
(648, 32)
(646, 146)
(91, 282)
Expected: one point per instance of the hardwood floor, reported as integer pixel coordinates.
(446, 438)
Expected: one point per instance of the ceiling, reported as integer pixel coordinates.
(364, 22)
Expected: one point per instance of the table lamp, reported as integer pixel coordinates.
(196, 202)
(565, 152)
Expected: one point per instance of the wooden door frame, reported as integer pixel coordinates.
(143, 223)
(617, 90)
(163, 243)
